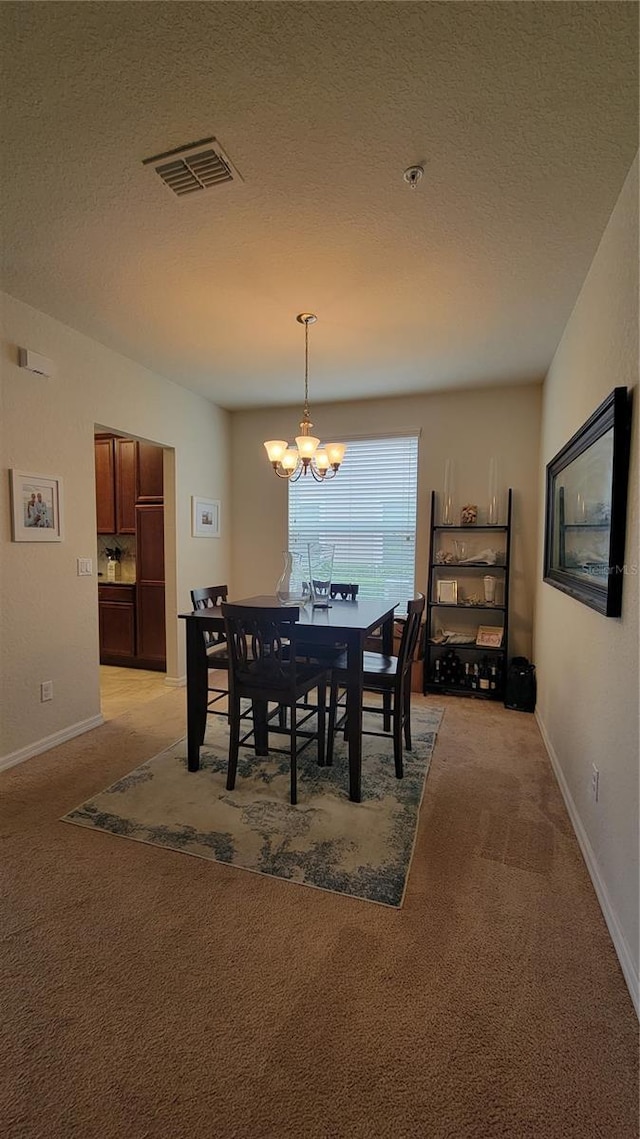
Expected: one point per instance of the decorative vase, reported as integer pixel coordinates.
(493, 510)
(447, 495)
(293, 583)
(320, 573)
(489, 583)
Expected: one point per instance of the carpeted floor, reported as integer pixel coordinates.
(324, 841)
(155, 996)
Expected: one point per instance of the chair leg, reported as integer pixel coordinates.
(406, 709)
(331, 727)
(294, 774)
(397, 734)
(322, 703)
(386, 711)
(260, 727)
(234, 737)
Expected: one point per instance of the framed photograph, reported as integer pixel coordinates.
(447, 593)
(489, 636)
(586, 508)
(205, 517)
(36, 507)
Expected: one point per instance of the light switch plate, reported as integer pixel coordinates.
(85, 567)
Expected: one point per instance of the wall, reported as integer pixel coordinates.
(49, 618)
(588, 664)
(469, 427)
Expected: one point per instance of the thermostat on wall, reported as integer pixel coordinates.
(34, 362)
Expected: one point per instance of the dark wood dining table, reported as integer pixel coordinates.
(346, 623)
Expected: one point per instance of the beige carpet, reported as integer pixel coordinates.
(155, 996)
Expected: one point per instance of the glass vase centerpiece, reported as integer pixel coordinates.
(321, 556)
(293, 586)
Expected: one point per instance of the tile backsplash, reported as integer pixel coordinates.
(126, 568)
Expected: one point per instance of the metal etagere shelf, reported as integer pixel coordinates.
(469, 652)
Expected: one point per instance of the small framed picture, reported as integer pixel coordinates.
(205, 517)
(447, 593)
(36, 507)
(489, 636)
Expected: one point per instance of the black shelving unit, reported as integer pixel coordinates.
(470, 652)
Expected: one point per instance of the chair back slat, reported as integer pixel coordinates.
(210, 597)
(410, 633)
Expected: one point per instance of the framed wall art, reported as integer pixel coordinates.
(36, 507)
(586, 508)
(205, 517)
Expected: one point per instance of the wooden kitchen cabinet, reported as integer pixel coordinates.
(150, 476)
(105, 484)
(117, 624)
(126, 485)
(127, 472)
(150, 614)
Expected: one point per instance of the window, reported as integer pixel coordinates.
(368, 512)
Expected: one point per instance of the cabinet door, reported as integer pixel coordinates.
(117, 631)
(150, 618)
(150, 482)
(150, 625)
(105, 485)
(126, 485)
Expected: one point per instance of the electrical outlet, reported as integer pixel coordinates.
(85, 567)
(595, 783)
(46, 691)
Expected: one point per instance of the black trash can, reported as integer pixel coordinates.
(520, 689)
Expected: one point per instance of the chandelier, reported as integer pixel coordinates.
(307, 457)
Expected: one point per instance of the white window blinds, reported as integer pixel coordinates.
(368, 512)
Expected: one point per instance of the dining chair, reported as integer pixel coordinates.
(263, 668)
(212, 597)
(391, 677)
(346, 592)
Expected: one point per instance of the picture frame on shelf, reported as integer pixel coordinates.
(205, 517)
(489, 636)
(586, 507)
(447, 592)
(36, 507)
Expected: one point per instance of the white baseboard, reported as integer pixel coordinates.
(48, 742)
(175, 681)
(602, 894)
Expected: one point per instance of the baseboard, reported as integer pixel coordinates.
(48, 742)
(175, 681)
(602, 894)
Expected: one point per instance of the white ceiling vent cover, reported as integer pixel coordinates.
(198, 166)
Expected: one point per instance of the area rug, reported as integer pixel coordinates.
(360, 849)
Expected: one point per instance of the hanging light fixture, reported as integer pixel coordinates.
(307, 456)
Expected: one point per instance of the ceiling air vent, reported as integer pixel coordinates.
(198, 166)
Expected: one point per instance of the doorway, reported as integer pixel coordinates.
(131, 541)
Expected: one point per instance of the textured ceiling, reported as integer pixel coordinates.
(523, 115)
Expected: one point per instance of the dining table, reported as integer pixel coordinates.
(343, 623)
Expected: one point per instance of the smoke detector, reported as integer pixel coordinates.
(194, 167)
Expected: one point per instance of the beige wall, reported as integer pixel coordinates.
(587, 663)
(49, 616)
(469, 427)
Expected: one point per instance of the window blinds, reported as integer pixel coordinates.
(368, 512)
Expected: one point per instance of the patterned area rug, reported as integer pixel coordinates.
(361, 849)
